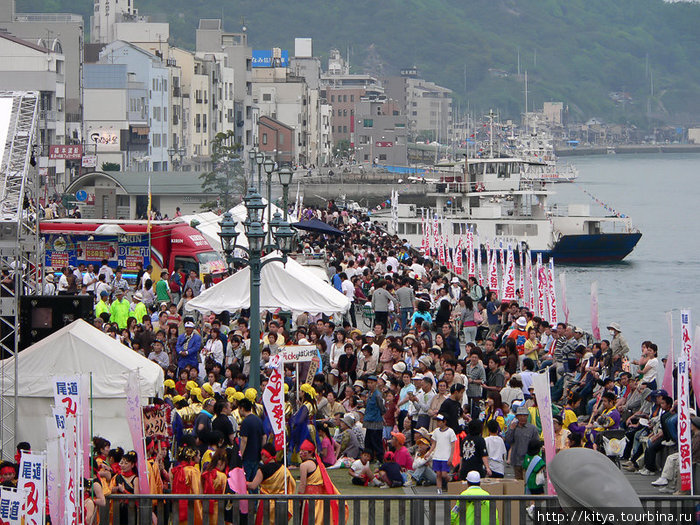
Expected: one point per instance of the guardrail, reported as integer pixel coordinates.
(384, 509)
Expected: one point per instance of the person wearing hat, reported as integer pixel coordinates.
(49, 286)
(158, 356)
(474, 490)
(618, 346)
(102, 306)
(518, 437)
(401, 454)
(188, 346)
(373, 419)
(119, 309)
(138, 309)
(421, 473)
(519, 334)
(349, 445)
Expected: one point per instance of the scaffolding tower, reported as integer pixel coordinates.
(19, 242)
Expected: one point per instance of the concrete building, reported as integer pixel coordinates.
(343, 90)
(211, 38)
(151, 71)
(120, 20)
(25, 66)
(64, 33)
(124, 195)
(427, 105)
(553, 113)
(118, 131)
(382, 134)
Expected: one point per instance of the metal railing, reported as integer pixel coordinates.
(384, 509)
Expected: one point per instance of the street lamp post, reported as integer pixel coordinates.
(283, 237)
(285, 175)
(269, 166)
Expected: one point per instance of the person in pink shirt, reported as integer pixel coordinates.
(401, 454)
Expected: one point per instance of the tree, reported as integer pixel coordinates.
(342, 148)
(228, 179)
(110, 166)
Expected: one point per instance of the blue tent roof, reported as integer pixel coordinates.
(315, 225)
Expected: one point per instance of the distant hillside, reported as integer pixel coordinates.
(590, 54)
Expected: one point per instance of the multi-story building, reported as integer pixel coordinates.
(151, 71)
(25, 66)
(118, 132)
(343, 91)
(120, 20)
(382, 133)
(427, 105)
(211, 38)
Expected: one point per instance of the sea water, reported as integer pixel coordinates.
(661, 193)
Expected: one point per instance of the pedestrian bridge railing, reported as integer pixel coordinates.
(381, 509)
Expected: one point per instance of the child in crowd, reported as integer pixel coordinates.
(533, 467)
(496, 449)
(442, 450)
(359, 471)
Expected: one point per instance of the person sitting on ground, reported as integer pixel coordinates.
(360, 471)
(421, 473)
(389, 473)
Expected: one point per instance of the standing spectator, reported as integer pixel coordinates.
(162, 289)
(380, 304)
(618, 346)
(193, 283)
(188, 346)
(442, 450)
(373, 421)
(518, 437)
(252, 435)
(406, 298)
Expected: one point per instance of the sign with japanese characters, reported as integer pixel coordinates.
(62, 152)
(33, 482)
(10, 506)
(685, 460)
(298, 353)
(273, 400)
(156, 421)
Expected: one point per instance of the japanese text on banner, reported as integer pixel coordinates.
(32, 481)
(685, 460)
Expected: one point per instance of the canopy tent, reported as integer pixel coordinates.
(240, 212)
(318, 226)
(79, 348)
(291, 287)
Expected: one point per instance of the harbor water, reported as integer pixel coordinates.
(660, 193)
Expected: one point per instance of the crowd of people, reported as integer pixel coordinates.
(428, 378)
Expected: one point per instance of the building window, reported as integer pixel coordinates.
(382, 157)
(267, 97)
(345, 98)
(165, 140)
(345, 129)
(280, 139)
(332, 98)
(264, 139)
(345, 112)
(156, 140)
(204, 122)
(368, 122)
(352, 98)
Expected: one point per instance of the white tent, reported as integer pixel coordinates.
(292, 288)
(79, 348)
(240, 212)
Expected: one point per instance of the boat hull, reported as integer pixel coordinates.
(604, 247)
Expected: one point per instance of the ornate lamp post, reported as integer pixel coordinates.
(285, 175)
(283, 237)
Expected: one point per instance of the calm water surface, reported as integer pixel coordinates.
(661, 193)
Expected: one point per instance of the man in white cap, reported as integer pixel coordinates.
(188, 346)
(473, 489)
(519, 334)
(138, 308)
(618, 346)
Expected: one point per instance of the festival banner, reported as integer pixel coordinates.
(68, 417)
(564, 306)
(10, 506)
(509, 277)
(694, 365)
(493, 274)
(667, 385)
(552, 294)
(273, 401)
(530, 283)
(521, 277)
(133, 419)
(541, 288)
(53, 473)
(470, 253)
(685, 460)
(544, 403)
(488, 264)
(33, 482)
(502, 259)
(594, 311)
(478, 263)
(459, 265)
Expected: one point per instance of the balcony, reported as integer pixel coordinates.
(176, 92)
(47, 115)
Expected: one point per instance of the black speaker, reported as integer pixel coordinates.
(42, 315)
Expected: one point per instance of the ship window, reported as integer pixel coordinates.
(491, 167)
(503, 171)
(517, 230)
(408, 228)
(462, 228)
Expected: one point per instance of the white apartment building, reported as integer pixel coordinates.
(25, 66)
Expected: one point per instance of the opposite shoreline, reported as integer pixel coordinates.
(581, 151)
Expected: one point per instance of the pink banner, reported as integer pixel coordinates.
(470, 254)
(667, 385)
(544, 402)
(133, 418)
(564, 306)
(509, 277)
(541, 289)
(273, 401)
(552, 293)
(594, 311)
(478, 263)
(521, 280)
(530, 284)
(53, 473)
(694, 365)
(685, 459)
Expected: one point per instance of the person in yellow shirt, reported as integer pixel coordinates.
(274, 328)
(102, 306)
(119, 310)
(532, 345)
(138, 308)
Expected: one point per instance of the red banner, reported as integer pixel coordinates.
(73, 152)
(685, 458)
(382, 144)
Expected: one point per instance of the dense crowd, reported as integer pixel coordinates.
(427, 379)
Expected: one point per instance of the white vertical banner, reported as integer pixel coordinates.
(32, 481)
(10, 506)
(685, 460)
(509, 277)
(521, 275)
(530, 283)
(544, 402)
(66, 391)
(564, 306)
(552, 293)
(273, 400)
(470, 253)
(493, 274)
(53, 471)
(541, 288)
(478, 263)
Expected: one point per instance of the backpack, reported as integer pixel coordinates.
(482, 292)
